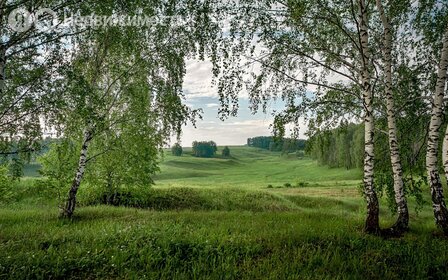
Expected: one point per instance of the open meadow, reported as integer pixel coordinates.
(255, 215)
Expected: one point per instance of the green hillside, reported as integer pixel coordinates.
(256, 215)
(249, 168)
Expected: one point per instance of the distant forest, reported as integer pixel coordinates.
(287, 145)
(340, 147)
(343, 147)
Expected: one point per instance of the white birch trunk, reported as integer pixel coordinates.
(403, 214)
(71, 201)
(438, 203)
(2, 69)
(372, 220)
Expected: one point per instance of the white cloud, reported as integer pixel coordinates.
(198, 79)
(228, 132)
(200, 93)
(212, 105)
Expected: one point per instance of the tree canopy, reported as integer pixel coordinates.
(204, 149)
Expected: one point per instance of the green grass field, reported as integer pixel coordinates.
(219, 219)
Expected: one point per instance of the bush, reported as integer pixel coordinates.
(180, 199)
(302, 184)
(287, 185)
(176, 150)
(226, 152)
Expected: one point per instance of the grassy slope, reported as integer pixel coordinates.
(248, 167)
(227, 225)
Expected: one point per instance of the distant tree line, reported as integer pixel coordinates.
(287, 145)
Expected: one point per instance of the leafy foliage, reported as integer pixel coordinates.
(341, 147)
(274, 144)
(16, 168)
(29, 62)
(57, 166)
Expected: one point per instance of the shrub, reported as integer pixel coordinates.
(94, 194)
(226, 152)
(270, 186)
(287, 185)
(302, 184)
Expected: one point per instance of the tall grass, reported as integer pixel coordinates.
(117, 242)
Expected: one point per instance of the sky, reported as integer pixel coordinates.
(200, 93)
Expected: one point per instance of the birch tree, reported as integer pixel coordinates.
(402, 222)
(440, 209)
(101, 89)
(438, 202)
(439, 206)
(432, 24)
(321, 44)
(372, 222)
(115, 69)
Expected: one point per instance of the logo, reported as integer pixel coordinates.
(46, 20)
(20, 20)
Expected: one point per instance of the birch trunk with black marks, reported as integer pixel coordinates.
(2, 69)
(438, 202)
(445, 167)
(372, 220)
(70, 205)
(402, 223)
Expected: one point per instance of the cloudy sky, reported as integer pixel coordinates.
(234, 131)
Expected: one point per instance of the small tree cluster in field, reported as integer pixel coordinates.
(176, 150)
(206, 149)
(226, 152)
